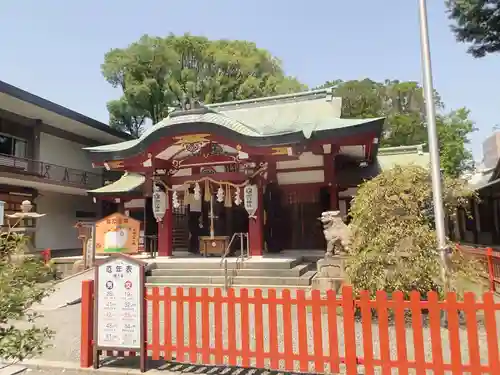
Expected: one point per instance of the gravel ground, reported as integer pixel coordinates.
(66, 322)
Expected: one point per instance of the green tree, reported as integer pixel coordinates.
(20, 278)
(156, 74)
(124, 117)
(476, 22)
(397, 242)
(402, 102)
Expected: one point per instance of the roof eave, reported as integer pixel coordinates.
(101, 154)
(38, 101)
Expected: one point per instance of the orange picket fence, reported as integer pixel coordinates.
(491, 260)
(309, 332)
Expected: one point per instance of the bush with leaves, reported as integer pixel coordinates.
(20, 278)
(394, 243)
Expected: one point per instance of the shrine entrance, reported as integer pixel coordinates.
(211, 213)
(282, 150)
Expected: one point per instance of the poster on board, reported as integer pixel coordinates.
(119, 306)
(117, 233)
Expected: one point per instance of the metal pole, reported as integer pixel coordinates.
(437, 191)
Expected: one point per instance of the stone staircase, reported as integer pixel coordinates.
(281, 273)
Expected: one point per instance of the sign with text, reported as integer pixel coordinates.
(117, 233)
(251, 199)
(89, 252)
(119, 299)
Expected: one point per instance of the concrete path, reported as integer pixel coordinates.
(65, 291)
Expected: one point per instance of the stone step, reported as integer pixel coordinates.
(215, 263)
(303, 281)
(296, 271)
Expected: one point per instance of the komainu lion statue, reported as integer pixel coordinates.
(337, 233)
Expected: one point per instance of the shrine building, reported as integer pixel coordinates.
(264, 168)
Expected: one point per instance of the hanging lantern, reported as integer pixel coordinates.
(160, 203)
(237, 197)
(175, 200)
(251, 194)
(197, 192)
(220, 194)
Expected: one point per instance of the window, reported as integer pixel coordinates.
(12, 146)
(6, 145)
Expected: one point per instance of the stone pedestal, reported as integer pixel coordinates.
(331, 274)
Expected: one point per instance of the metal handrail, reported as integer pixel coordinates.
(242, 251)
(228, 248)
(240, 257)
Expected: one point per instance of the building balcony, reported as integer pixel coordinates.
(42, 173)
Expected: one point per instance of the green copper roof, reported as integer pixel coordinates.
(127, 183)
(300, 113)
(389, 157)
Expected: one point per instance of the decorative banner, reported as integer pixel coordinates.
(251, 199)
(117, 233)
(160, 203)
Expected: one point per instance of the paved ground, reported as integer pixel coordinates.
(66, 322)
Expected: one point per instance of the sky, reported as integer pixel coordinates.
(54, 48)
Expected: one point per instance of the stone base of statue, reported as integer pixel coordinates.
(331, 273)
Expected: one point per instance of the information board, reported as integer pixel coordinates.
(119, 304)
(117, 233)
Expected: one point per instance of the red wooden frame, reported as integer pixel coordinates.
(318, 320)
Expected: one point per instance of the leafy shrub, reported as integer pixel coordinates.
(394, 243)
(19, 290)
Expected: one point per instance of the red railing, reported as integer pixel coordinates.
(491, 261)
(51, 172)
(306, 332)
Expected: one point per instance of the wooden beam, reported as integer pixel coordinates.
(235, 177)
(300, 169)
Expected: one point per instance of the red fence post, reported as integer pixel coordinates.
(491, 274)
(86, 338)
(349, 331)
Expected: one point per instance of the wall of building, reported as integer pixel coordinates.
(305, 160)
(56, 231)
(60, 151)
(491, 150)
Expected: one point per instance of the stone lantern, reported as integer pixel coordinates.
(25, 213)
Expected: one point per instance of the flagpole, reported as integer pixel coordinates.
(437, 191)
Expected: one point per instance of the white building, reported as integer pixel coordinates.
(41, 159)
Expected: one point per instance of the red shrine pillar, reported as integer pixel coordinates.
(256, 226)
(331, 179)
(334, 198)
(165, 231)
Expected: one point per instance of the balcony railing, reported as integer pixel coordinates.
(51, 172)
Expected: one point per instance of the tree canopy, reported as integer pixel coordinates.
(402, 102)
(476, 22)
(397, 242)
(156, 74)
